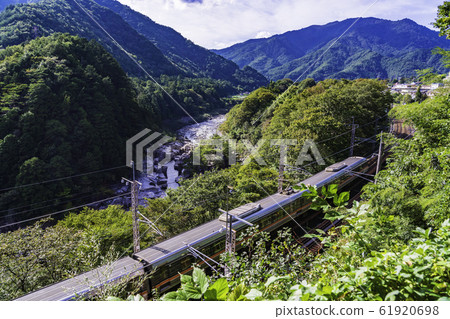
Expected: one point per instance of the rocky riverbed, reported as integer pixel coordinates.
(166, 176)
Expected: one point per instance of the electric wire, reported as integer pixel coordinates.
(293, 219)
(52, 205)
(62, 211)
(73, 196)
(311, 65)
(341, 151)
(134, 60)
(62, 178)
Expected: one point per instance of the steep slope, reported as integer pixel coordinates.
(371, 48)
(184, 53)
(66, 107)
(23, 22)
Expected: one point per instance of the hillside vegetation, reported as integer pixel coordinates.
(62, 101)
(196, 201)
(24, 22)
(311, 111)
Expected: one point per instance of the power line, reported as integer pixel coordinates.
(134, 60)
(311, 65)
(293, 219)
(341, 151)
(334, 137)
(349, 131)
(52, 205)
(63, 211)
(73, 196)
(61, 179)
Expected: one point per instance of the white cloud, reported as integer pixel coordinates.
(263, 34)
(220, 23)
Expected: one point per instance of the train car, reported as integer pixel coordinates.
(173, 257)
(170, 258)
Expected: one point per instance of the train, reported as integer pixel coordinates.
(163, 263)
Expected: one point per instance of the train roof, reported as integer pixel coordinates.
(81, 284)
(153, 254)
(321, 178)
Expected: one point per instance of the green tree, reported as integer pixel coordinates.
(36, 256)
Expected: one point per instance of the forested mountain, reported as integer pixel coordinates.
(135, 32)
(184, 53)
(371, 48)
(24, 22)
(62, 101)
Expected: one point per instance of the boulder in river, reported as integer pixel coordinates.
(179, 165)
(164, 170)
(186, 173)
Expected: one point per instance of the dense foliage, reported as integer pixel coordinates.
(200, 97)
(62, 99)
(414, 185)
(372, 48)
(418, 271)
(33, 257)
(310, 111)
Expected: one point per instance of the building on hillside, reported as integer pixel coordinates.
(411, 88)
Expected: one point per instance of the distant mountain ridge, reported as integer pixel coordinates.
(184, 53)
(159, 49)
(24, 22)
(371, 48)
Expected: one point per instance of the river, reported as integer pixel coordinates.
(156, 184)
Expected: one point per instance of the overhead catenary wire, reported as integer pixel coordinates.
(293, 219)
(341, 151)
(349, 131)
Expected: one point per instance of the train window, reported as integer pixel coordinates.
(161, 273)
(173, 268)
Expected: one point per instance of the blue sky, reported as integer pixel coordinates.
(220, 23)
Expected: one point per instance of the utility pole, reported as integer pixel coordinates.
(375, 133)
(230, 244)
(352, 143)
(283, 160)
(230, 240)
(135, 186)
(280, 177)
(379, 155)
